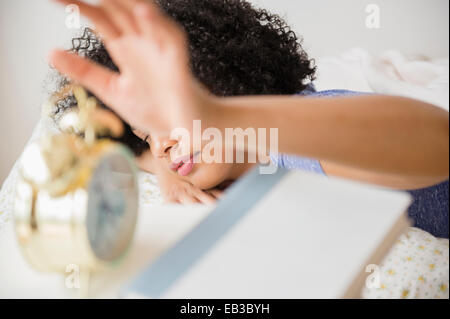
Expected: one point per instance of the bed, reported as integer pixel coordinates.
(418, 264)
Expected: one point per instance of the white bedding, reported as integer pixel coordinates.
(391, 73)
(418, 265)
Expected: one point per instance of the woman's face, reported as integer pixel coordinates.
(202, 175)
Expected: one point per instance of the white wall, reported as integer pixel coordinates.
(331, 26)
(30, 28)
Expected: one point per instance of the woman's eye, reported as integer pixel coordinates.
(142, 135)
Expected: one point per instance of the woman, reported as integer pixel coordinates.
(236, 50)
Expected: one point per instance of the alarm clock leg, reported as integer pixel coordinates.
(85, 277)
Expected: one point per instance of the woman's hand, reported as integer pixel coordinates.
(154, 90)
(175, 190)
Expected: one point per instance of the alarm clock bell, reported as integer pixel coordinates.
(77, 197)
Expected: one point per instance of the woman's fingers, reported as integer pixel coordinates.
(216, 193)
(170, 200)
(202, 196)
(106, 27)
(154, 24)
(147, 18)
(130, 4)
(114, 18)
(95, 78)
(186, 199)
(121, 15)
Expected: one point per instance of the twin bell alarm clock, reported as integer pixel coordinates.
(76, 197)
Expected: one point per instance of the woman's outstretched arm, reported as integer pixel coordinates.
(388, 137)
(388, 140)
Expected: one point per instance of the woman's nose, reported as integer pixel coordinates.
(162, 147)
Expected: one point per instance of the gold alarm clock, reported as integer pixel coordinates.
(77, 197)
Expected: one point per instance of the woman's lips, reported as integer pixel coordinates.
(183, 167)
(186, 168)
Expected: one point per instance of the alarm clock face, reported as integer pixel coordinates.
(112, 207)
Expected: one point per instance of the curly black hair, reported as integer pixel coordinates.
(235, 49)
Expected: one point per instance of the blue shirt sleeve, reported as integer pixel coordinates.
(292, 162)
